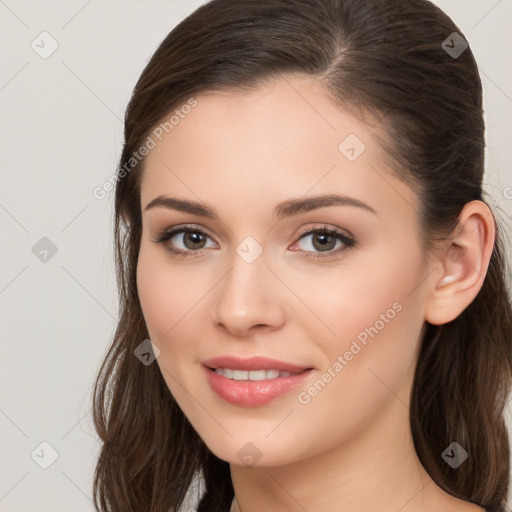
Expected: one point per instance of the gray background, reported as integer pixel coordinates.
(61, 136)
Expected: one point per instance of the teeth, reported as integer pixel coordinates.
(272, 374)
(251, 375)
(240, 375)
(256, 374)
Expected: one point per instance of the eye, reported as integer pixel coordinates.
(325, 240)
(192, 240)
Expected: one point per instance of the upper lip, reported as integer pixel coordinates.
(253, 363)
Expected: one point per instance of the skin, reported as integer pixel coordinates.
(350, 447)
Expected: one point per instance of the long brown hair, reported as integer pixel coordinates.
(380, 57)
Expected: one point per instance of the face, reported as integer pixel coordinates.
(333, 288)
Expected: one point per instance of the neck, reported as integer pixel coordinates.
(376, 469)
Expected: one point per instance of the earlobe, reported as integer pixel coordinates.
(464, 263)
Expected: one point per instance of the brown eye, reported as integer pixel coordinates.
(193, 240)
(324, 242)
(183, 241)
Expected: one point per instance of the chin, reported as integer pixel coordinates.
(254, 451)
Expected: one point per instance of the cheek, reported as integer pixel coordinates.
(352, 300)
(369, 313)
(153, 286)
(377, 323)
(166, 293)
(167, 300)
(369, 362)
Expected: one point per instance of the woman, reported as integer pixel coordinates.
(312, 288)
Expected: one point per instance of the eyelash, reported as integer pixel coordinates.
(349, 243)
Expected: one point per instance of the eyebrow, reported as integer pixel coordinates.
(282, 210)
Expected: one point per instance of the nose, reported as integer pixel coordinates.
(249, 298)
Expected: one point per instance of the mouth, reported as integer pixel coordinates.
(254, 363)
(253, 382)
(253, 375)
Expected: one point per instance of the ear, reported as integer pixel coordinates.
(462, 265)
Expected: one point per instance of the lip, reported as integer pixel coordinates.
(249, 393)
(253, 363)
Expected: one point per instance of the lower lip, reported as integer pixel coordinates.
(253, 393)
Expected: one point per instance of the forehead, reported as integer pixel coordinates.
(285, 139)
